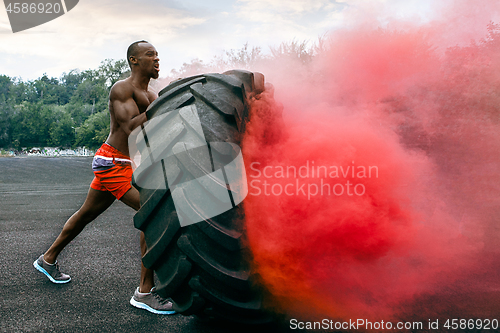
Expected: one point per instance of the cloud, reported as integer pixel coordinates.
(180, 30)
(270, 22)
(93, 28)
(286, 7)
(183, 30)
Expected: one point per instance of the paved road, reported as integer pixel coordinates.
(37, 195)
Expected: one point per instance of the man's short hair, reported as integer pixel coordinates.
(132, 50)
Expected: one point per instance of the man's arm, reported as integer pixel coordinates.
(125, 108)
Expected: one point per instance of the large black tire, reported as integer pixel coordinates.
(203, 267)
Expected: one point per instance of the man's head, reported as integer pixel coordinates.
(143, 57)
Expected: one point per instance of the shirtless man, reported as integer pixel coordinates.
(128, 101)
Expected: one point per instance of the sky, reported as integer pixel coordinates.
(180, 30)
(188, 29)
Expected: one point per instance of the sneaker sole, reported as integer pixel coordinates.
(143, 306)
(42, 270)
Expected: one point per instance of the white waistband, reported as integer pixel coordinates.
(113, 159)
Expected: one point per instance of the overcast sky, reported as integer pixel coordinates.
(181, 30)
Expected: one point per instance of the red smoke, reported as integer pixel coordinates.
(422, 239)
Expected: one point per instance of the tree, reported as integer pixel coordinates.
(91, 92)
(62, 130)
(112, 71)
(70, 82)
(5, 85)
(6, 111)
(48, 90)
(79, 112)
(30, 124)
(294, 50)
(94, 130)
(23, 91)
(196, 66)
(243, 58)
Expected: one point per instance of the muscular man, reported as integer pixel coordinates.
(128, 101)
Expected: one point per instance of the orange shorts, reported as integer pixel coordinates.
(112, 170)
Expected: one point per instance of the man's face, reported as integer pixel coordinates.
(147, 60)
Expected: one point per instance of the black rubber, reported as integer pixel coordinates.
(204, 267)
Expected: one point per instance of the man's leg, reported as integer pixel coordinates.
(132, 199)
(95, 203)
(144, 297)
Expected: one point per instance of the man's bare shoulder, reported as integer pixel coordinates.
(121, 90)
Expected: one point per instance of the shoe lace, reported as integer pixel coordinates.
(56, 272)
(160, 299)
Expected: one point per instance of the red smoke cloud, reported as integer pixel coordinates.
(421, 241)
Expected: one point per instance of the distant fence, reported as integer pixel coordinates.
(48, 152)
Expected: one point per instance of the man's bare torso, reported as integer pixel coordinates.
(126, 90)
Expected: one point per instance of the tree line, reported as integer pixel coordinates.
(66, 112)
(72, 111)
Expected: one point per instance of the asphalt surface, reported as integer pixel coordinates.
(37, 195)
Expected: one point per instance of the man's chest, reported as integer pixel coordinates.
(142, 99)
